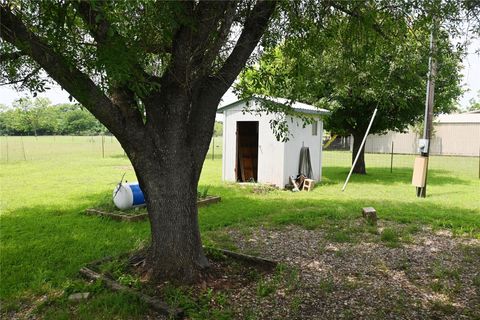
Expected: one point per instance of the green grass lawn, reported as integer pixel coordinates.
(45, 238)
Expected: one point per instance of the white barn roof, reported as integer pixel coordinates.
(296, 106)
(470, 117)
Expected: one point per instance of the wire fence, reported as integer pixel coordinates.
(29, 148)
(339, 154)
(334, 155)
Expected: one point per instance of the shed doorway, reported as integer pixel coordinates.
(247, 151)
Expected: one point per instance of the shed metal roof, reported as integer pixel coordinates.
(296, 106)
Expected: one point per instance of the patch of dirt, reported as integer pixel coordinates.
(224, 274)
(229, 273)
(433, 276)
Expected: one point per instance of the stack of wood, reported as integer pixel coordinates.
(297, 183)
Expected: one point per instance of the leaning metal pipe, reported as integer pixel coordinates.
(360, 149)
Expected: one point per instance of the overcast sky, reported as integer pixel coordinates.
(471, 82)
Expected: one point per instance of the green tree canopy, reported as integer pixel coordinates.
(351, 70)
(474, 104)
(152, 72)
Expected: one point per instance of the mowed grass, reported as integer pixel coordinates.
(45, 238)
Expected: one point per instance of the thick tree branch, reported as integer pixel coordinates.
(213, 19)
(254, 28)
(209, 94)
(196, 43)
(100, 28)
(95, 21)
(11, 56)
(212, 52)
(79, 85)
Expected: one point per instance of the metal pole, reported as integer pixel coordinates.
(427, 129)
(391, 160)
(359, 149)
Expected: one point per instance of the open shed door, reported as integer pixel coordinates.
(247, 151)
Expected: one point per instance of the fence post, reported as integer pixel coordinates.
(391, 160)
(213, 148)
(6, 138)
(103, 146)
(23, 149)
(478, 163)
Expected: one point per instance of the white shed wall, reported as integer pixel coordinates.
(299, 137)
(270, 151)
(276, 160)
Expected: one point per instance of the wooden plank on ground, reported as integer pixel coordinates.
(154, 303)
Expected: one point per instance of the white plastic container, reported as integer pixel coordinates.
(128, 195)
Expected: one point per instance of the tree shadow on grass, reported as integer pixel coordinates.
(118, 156)
(45, 245)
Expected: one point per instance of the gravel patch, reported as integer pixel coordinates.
(432, 276)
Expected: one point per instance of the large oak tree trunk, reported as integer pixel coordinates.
(170, 188)
(360, 165)
(168, 168)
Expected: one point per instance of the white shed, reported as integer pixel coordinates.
(251, 150)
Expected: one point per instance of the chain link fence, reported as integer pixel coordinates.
(337, 153)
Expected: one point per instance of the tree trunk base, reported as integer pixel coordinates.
(360, 164)
(175, 271)
(359, 171)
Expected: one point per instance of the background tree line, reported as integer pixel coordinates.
(474, 103)
(33, 117)
(39, 117)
